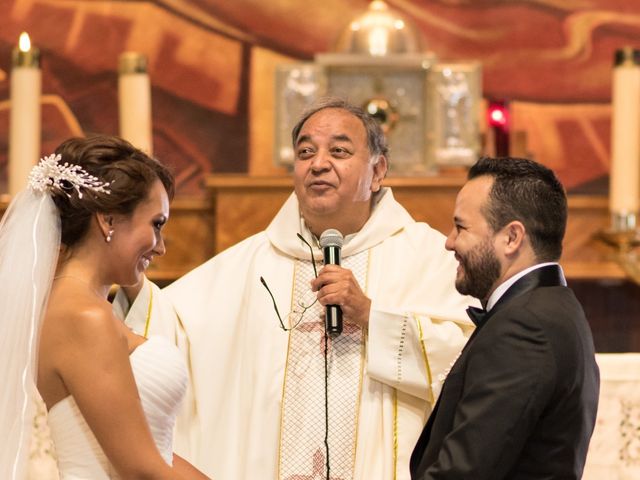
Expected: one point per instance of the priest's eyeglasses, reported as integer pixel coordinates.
(294, 317)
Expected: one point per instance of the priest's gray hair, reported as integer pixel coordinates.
(376, 140)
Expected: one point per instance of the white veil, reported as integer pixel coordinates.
(29, 247)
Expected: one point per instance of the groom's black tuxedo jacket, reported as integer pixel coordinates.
(520, 402)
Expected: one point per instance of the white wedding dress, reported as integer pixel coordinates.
(161, 376)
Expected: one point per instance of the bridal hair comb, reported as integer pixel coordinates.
(49, 175)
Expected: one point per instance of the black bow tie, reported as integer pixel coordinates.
(477, 315)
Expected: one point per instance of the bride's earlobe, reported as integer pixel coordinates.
(106, 225)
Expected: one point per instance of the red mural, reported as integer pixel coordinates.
(551, 59)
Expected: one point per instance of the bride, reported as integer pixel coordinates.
(91, 216)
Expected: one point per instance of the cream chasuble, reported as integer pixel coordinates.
(249, 415)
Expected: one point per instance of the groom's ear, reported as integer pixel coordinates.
(515, 232)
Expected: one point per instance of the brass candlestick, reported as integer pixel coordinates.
(624, 237)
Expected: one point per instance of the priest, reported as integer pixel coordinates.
(272, 395)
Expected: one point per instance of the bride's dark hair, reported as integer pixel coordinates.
(129, 171)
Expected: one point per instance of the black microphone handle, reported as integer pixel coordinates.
(333, 318)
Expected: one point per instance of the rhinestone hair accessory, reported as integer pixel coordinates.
(50, 175)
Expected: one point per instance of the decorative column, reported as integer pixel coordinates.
(134, 93)
(24, 119)
(624, 191)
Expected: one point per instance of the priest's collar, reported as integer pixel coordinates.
(315, 241)
(387, 218)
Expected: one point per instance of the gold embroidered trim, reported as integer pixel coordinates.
(189, 363)
(149, 309)
(363, 360)
(395, 434)
(286, 369)
(425, 359)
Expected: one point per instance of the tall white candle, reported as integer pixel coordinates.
(624, 197)
(134, 93)
(24, 119)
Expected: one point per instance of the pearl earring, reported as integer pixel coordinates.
(109, 235)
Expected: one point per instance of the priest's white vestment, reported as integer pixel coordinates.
(223, 319)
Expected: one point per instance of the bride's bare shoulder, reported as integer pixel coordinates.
(80, 315)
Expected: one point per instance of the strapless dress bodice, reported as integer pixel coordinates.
(161, 377)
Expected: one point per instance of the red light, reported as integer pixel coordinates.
(498, 115)
(498, 120)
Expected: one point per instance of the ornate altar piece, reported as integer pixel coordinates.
(453, 131)
(428, 110)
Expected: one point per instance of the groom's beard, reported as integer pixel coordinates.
(480, 270)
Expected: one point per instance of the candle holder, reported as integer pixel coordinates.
(28, 58)
(25, 54)
(624, 237)
(132, 62)
(623, 234)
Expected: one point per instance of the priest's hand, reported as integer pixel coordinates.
(337, 286)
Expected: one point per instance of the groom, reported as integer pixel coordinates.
(521, 400)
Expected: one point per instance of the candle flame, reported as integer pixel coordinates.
(24, 44)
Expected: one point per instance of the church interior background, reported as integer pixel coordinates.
(212, 66)
(212, 63)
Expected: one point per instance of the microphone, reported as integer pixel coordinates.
(331, 243)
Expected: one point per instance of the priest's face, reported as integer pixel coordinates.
(334, 174)
(472, 241)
